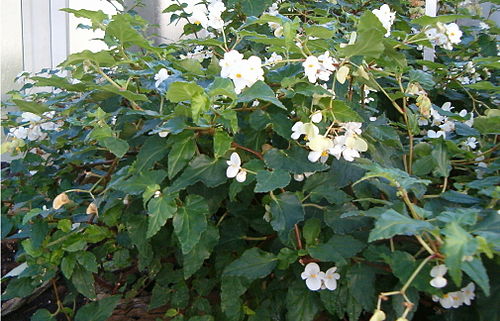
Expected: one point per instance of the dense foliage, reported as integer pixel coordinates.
(224, 172)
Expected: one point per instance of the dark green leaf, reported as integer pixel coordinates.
(98, 311)
(160, 210)
(286, 211)
(183, 149)
(302, 304)
(117, 146)
(210, 172)
(457, 244)
(83, 281)
(222, 143)
(190, 222)
(182, 91)
(261, 91)
(337, 249)
(194, 259)
(253, 264)
(294, 161)
(393, 223)
(269, 181)
(476, 271)
(31, 106)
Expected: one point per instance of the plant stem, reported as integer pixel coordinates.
(415, 273)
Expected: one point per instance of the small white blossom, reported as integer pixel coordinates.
(330, 278)
(386, 17)
(320, 148)
(320, 67)
(316, 117)
(436, 134)
(471, 142)
(234, 168)
(307, 129)
(453, 32)
(468, 293)
(273, 59)
(161, 76)
(313, 276)
(437, 273)
(243, 72)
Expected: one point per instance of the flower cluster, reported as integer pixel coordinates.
(34, 131)
(234, 168)
(445, 124)
(349, 145)
(243, 72)
(318, 280)
(207, 16)
(320, 67)
(444, 35)
(457, 298)
(276, 27)
(199, 53)
(386, 17)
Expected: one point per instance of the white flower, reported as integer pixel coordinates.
(311, 67)
(161, 76)
(243, 72)
(378, 315)
(447, 106)
(354, 145)
(234, 168)
(447, 126)
(163, 133)
(273, 59)
(433, 134)
(320, 148)
(298, 177)
(27, 116)
(157, 194)
(231, 59)
(468, 293)
(437, 273)
(330, 278)
(453, 32)
(316, 117)
(352, 128)
(471, 142)
(313, 276)
(483, 26)
(19, 132)
(307, 129)
(386, 17)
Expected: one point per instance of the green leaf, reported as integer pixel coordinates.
(393, 223)
(182, 91)
(361, 280)
(222, 87)
(59, 82)
(210, 172)
(488, 125)
(423, 78)
(183, 149)
(370, 36)
(152, 151)
(132, 96)
(292, 160)
(121, 27)
(31, 106)
(190, 222)
(253, 264)
(340, 110)
(68, 265)
(231, 290)
(160, 210)
(96, 17)
(457, 244)
(319, 32)
(427, 20)
(137, 184)
(337, 249)
(302, 304)
(87, 260)
(484, 85)
(254, 7)
(311, 230)
(194, 259)
(286, 211)
(83, 281)
(199, 105)
(98, 311)
(42, 315)
(269, 181)
(222, 143)
(261, 91)
(117, 146)
(101, 58)
(476, 271)
(441, 160)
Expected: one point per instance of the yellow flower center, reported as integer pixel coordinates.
(238, 75)
(314, 275)
(324, 153)
(311, 65)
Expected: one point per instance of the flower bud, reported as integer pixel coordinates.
(92, 209)
(60, 200)
(378, 315)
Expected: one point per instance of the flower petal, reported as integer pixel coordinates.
(232, 171)
(314, 284)
(312, 268)
(235, 159)
(242, 176)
